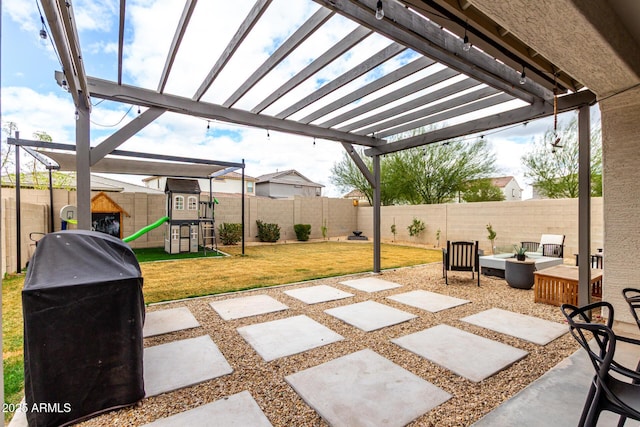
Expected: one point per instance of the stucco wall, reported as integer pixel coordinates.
(621, 163)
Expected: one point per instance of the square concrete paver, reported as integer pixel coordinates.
(182, 363)
(237, 308)
(318, 294)
(236, 410)
(165, 321)
(284, 337)
(370, 315)
(370, 284)
(365, 389)
(429, 301)
(528, 328)
(468, 355)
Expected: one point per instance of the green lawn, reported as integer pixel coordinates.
(264, 265)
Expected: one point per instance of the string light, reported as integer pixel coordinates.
(379, 10)
(268, 136)
(208, 125)
(64, 85)
(138, 109)
(556, 138)
(523, 77)
(314, 141)
(77, 115)
(43, 31)
(466, 45)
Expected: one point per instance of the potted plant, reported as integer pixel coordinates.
(520, 250)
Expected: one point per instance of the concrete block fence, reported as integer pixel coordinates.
(513, 221)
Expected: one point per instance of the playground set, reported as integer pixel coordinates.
(189, 223)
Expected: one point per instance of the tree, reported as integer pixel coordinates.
(346, 176)
(9, 128)
(554, 171)
(437, 173)
(432, 174)
(35, 168)
(482, 190)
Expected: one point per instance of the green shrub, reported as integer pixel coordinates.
(230, 233)
(416, 227)
(268, 232)
(302, 231)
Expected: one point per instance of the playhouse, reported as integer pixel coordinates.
(190, 220)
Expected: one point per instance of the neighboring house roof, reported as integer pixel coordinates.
(502, 181)
(281, 178)
(189, 186)
(354, 194)
(98, 183)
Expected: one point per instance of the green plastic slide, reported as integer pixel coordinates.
(146, 229)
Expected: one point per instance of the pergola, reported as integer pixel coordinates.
(422, 73)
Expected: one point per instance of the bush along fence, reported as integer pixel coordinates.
(302, 231)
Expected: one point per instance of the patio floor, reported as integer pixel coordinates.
(365, 350)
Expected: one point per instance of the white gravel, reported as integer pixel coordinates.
(283, 407)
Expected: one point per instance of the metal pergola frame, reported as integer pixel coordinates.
(181, 167)
(468, 80)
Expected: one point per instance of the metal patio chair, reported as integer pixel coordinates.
(607, 392)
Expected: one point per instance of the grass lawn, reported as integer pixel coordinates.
(261, 266)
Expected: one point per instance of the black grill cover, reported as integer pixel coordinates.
(83, 314)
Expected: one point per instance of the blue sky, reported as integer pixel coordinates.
(32, 99)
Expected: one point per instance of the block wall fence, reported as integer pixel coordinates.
(512, 221)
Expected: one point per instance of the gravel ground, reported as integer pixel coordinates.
(283, 407)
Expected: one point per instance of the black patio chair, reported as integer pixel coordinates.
(632, 297)
(461, 256)
(607, 392)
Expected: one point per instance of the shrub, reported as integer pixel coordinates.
(230, 233)
(268, 232)
(302, 231)
(416, 227)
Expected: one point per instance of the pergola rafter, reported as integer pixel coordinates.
(420, 75)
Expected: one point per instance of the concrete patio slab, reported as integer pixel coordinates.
(558, 396)
(237, 308)
(284, 337)
(182, 363)
(165, 321)
(370, 315)
(429, 301)
(236, 410)
(470, 356)
(370, 284)
(365, 389)
(318, 294)
(528, 328)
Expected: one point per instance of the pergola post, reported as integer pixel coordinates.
(376, 214)
(584, 206)
(83, 167)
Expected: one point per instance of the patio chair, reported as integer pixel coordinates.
(551, 245)
(607, 392)
(461, 256)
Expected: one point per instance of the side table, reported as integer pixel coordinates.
(519, 274)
